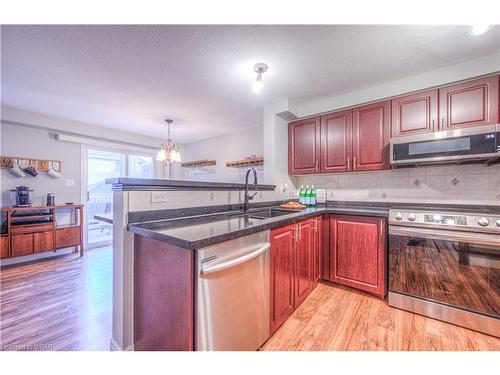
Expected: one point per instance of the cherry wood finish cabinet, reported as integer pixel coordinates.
(282, 274)
(43, 241)
(318, 248)
(370, 139)
(294, 265)
(358, 252)
(470, 103)
(304, 144)
(414, 113)
(4, 247)
(21, 244)
(336, 142)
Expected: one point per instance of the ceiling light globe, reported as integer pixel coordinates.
(476, 30)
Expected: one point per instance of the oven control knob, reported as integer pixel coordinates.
(483, 221)
(399, 216)
(411, 217)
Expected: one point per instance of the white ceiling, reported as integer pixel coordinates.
(132, 77)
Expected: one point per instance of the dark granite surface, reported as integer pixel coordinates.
(130, 184)
(198, 227)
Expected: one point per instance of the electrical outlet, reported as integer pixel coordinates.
(158, 197)
(70, 182)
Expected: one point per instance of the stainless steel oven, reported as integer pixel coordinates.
(481, 143)
(446, 265)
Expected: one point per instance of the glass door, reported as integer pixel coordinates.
(101, 165)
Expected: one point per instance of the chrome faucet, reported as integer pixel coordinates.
(249, 197)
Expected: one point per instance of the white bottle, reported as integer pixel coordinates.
(307, 196)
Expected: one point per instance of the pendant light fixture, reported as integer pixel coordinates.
(259, 68)
(169, 151)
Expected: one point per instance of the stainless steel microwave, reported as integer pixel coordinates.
(467, 145)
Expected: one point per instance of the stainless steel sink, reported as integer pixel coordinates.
(264, 214)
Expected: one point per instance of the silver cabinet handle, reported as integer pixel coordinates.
(354, 163)
(348, 163)
(442, 123)
(317, 166)
(235, 262)
(433, 124)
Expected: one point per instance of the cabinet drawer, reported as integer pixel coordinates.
(67, 237)
(31, 228)
(21, 244)
(43, 241)
(4, 246)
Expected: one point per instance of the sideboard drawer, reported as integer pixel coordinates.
(67, 237)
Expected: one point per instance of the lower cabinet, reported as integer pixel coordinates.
(43, 241)
(357, 252)
(67, 237)
(295, 267)
(21, 244)
(4, 246)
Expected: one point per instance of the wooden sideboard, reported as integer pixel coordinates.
(33, 230)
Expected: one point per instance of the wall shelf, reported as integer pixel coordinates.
(198, 163)
(245, 162)
(40, 165)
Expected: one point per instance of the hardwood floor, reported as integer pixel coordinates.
(338, 318)
(65, 304)
(60, 304)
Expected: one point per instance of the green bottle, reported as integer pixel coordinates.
(313, 196)
(301, 194)
(307, 196)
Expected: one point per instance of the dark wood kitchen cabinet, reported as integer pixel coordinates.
(4, 247)
(370, 136)
(303, 146)
(294, 267)
(470, 103)
(304, 261)
(414, 113)
(336, 142)
(282, 274)
(318, 248)
(357, 252)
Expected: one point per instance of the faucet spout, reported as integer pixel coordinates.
(249, 197)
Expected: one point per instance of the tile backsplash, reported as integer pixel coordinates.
(474, 184)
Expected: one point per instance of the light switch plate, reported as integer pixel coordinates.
(321, 195)
(70, 182)
(158, 197)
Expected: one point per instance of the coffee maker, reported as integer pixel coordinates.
(23, 196)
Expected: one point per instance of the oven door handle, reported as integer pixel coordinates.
(447, 235)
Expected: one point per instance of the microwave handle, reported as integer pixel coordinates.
(447, 235)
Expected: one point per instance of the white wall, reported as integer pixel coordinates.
(227, 147)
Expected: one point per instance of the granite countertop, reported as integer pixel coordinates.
(205, 230)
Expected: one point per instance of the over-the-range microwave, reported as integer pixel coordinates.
(466, 145)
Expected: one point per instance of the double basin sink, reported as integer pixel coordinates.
(263, 214)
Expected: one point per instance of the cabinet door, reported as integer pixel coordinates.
(43, 241)
(303, 146)
(469, 104)
(304, 260)
(67, 237)
(357, 252)
(4, 247)
(414, 113)
(21, 244)
(282, 274)
(318, 248)
(370, 136)
(336, 142)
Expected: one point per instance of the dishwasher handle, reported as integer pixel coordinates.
(236, 261)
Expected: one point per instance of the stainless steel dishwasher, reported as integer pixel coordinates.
(232, 294)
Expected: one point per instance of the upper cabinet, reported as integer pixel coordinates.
(469, 104)
(370, 136)
(414, 114)
(303, 146)
(336, 138)
(357, 139)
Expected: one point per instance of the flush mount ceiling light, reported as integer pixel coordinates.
(169, 151)
(476, 30)
(258, 68)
